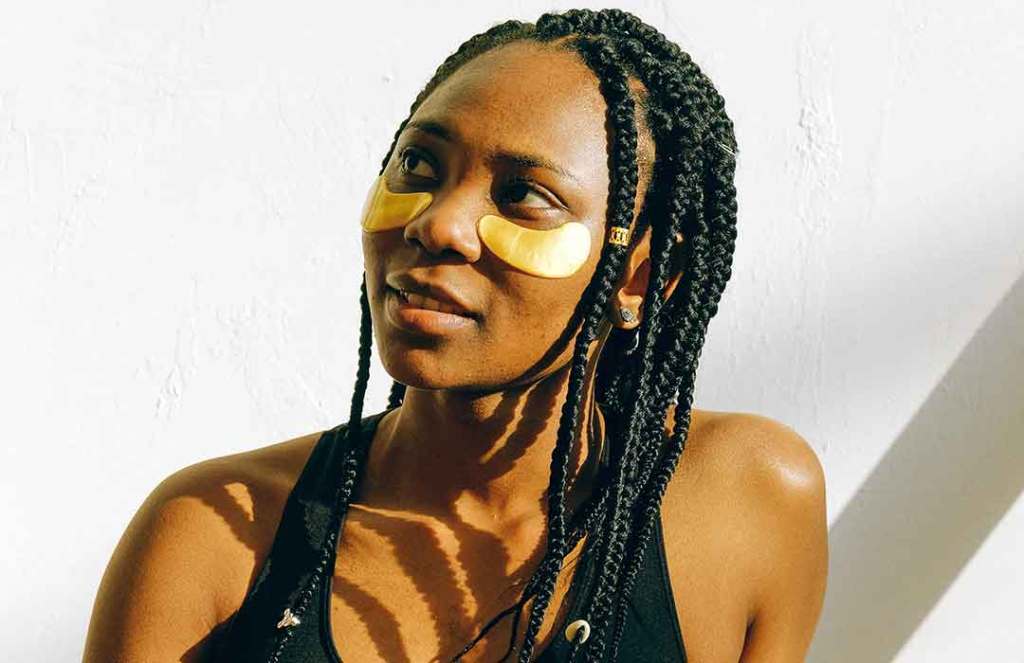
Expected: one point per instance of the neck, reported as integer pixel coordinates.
(481, 457)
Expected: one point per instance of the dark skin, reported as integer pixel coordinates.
(450, 519)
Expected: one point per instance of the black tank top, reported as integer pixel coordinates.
(285, 615)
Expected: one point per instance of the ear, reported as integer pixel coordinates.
(636, 274)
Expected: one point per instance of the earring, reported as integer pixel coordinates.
(627, 315)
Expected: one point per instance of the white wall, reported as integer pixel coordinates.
(178, 274)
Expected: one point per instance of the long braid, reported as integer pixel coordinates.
(622, 193)
(600, 55)
(721, 228)
(682, 360)
(656, 76)
(647, 65)
(396, 395)
(363, 369)
(686, 345)
(349, 474)
(661, 245)
(350, 467)
(682, 110)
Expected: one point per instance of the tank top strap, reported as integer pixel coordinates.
(651, 631)
(285, 580)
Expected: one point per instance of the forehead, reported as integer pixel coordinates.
(526, 97)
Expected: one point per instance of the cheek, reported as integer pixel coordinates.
(373, 251)
(540, 310)
(376, 249)
(551, 270)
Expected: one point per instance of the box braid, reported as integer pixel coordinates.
(681, 82)
(691, 193)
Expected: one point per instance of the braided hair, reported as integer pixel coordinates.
(692, 194)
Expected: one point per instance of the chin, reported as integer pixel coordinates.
(422, 368)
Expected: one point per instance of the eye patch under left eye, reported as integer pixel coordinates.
(553, 254)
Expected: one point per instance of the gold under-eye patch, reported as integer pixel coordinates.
(553, 254)
(385, 210)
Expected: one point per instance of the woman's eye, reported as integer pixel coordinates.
(521, 193)
(412, 163)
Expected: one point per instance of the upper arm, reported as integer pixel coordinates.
(156, 601)
(789, 486)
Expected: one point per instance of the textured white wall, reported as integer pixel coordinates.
(178, 189)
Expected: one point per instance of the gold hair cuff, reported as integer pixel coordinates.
(619, 235)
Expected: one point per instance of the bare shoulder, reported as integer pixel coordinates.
(771, 458)
(189, 553)
(769, 473)
(749, 493)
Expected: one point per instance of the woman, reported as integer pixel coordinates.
(550, 234)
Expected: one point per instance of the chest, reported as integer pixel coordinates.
(405, 588)
(409, 589)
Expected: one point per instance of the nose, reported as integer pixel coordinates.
(449, 224)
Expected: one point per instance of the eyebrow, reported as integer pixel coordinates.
(432, 128)
(519, 159)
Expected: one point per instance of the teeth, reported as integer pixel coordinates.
(428, 303)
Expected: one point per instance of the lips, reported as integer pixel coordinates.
(430, 295)
(429, 303)
(425, 315)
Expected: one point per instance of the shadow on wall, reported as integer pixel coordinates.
(932, 499)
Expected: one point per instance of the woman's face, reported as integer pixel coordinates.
(519, 133)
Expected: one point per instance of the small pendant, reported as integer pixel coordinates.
(288, 619)
(579, 627)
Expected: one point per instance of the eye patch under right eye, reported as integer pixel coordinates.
(386, 210)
